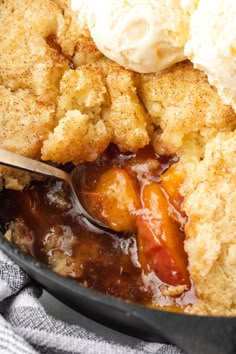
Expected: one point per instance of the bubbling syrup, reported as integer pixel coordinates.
(44, 223)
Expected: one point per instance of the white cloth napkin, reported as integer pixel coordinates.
(26, 328)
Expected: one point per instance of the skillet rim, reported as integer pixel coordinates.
(19, 256)
(194, 334)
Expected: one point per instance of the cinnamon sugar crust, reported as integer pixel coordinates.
(61, 100)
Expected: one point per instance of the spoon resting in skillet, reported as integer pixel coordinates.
(17, 161)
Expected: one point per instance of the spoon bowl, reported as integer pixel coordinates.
(17, 161)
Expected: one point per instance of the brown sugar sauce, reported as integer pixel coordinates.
(45, 224)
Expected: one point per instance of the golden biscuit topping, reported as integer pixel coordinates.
(62, 101)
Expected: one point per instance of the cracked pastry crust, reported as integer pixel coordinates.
(98, 104)
(26, 59)
(61, 100)
(93, 101)
(186, 107)
(25, 123)
(210, 204)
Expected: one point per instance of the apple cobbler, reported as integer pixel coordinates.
(157, 154)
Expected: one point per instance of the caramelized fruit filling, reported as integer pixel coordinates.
(136, 194)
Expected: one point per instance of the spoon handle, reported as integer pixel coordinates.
(12, 159)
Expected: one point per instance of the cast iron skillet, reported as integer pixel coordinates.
(193, 334)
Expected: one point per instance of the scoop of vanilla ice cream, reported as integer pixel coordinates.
(81, 7)
(189, 5)
(141, 35)
(212, 45)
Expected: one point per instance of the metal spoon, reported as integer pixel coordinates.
(14, 160)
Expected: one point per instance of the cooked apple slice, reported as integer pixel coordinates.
(171, 180)
(160, 240)
(114, 199)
